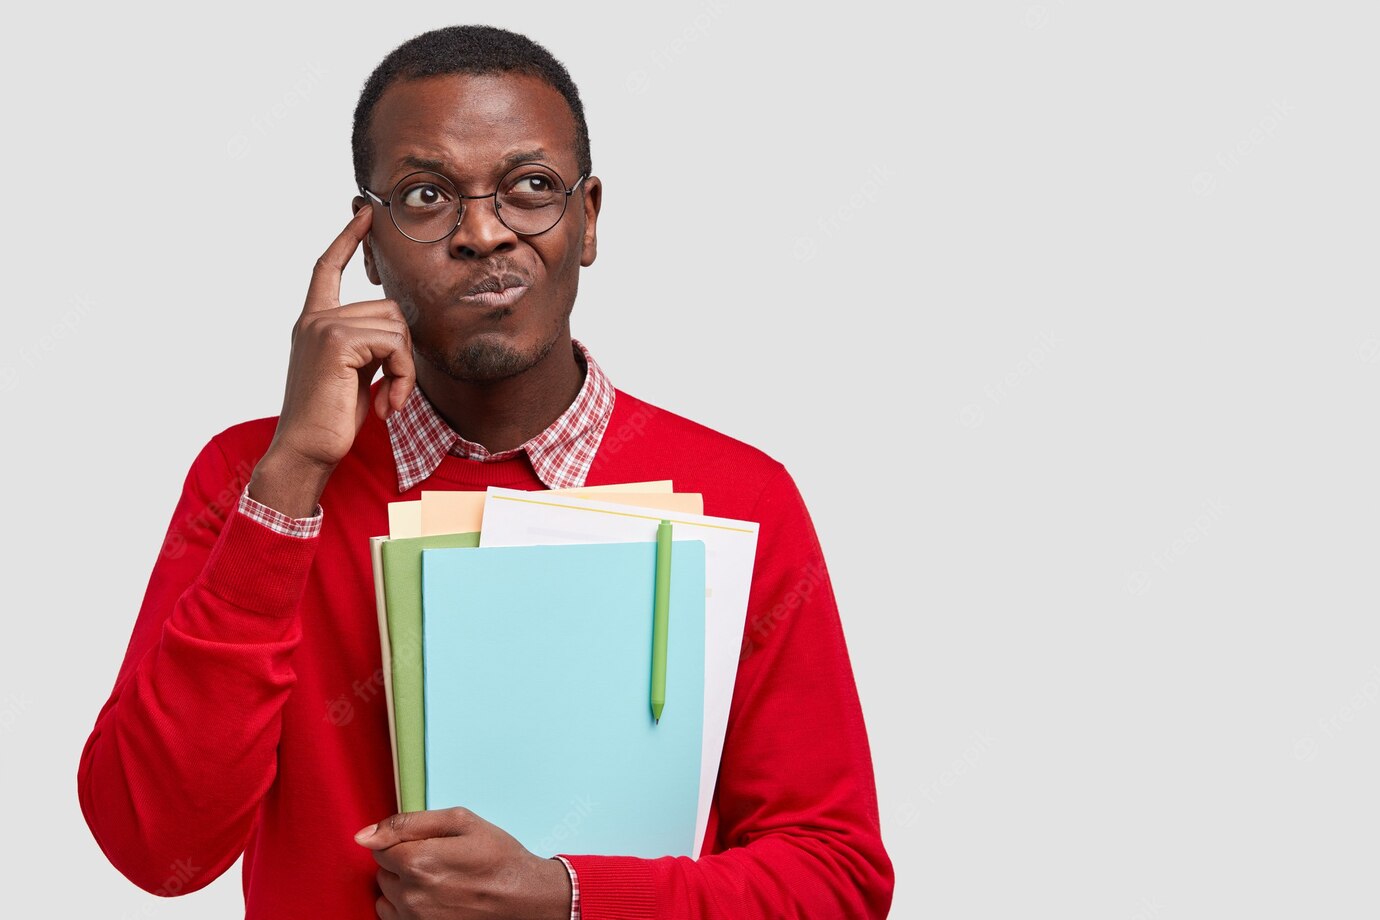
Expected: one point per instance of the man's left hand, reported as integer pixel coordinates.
(451, 864)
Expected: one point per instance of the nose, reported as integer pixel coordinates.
(480, 233)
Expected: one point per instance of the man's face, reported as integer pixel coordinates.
(475, 125)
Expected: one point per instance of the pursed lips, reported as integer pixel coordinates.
(496, 291)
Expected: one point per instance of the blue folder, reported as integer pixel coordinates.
(537, 671)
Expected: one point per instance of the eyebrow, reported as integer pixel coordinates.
(440, 166)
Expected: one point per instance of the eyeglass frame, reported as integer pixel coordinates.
(460, 211)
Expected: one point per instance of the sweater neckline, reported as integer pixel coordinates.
(514, 472)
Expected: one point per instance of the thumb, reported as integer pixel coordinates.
(416, 825)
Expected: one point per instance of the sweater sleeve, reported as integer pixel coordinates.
(798, 832)
(184, 749)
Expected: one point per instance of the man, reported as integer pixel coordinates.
(248, 715)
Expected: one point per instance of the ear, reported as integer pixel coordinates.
(592, 193)
(359, 201)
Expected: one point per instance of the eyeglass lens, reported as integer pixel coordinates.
(426, 207)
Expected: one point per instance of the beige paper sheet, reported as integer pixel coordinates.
(404, 519)
(455, 511)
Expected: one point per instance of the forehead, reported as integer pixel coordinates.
(471, 121)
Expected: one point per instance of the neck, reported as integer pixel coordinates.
(504, 414)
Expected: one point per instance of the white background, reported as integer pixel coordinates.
(1062, 314)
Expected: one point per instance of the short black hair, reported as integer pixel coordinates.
(467, 50)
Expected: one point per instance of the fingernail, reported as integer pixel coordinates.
(365, 833)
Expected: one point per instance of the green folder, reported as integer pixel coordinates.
(402, 589)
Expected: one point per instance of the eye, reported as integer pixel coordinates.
(534, 184)
(424, 195)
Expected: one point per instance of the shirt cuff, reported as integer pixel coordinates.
(278, 522)
(574, 889)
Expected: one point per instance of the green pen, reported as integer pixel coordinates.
(661, 610)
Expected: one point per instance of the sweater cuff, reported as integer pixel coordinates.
(255, 568)
(614, 887)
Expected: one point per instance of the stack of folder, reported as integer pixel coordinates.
(524, 637)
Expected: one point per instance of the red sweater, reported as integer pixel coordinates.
(249, 716)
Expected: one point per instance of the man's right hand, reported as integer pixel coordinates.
(336, 350)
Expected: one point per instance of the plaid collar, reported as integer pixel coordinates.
(561, 455)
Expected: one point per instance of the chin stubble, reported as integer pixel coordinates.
(487, 362)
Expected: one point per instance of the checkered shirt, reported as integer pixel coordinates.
(561, 455)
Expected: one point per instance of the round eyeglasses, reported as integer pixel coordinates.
(530, 199)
